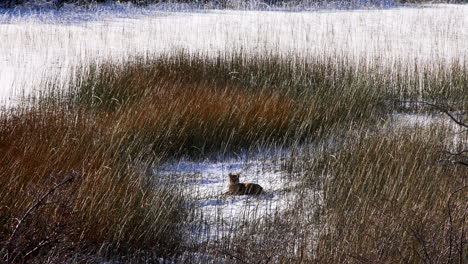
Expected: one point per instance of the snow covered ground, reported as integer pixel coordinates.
(45, 47)
(206, 182)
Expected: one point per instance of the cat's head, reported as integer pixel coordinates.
(233, 178)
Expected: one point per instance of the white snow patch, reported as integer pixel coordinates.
(404, 120)
(205, 183)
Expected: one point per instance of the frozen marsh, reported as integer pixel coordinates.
(36, 49)
(142, 113)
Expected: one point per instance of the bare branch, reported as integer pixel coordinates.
(38, 247)
(440, 108)
(457, 153)
(454, 162)
(36, 205)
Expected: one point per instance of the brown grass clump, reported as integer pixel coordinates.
(197, 106)
(389, 200)
(101, 201)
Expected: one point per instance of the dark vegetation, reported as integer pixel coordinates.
(75, 184)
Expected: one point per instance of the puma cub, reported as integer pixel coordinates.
(236, 188)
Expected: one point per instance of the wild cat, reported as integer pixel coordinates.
(236, 188)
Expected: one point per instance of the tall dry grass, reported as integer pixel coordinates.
(387, 198)
(197, 106)
(393, 198)
(107, 203)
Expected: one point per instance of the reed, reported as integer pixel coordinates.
(102, 202)
(392, 198)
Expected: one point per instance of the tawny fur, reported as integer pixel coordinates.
(237, 188)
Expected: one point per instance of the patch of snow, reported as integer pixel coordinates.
(205, 183)
(424, 120)
(457, 135)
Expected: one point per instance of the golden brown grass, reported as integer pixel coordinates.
(194, 106)
(108, 203)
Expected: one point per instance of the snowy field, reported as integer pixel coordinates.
(47, 47)
(206, 182)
